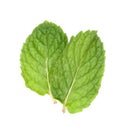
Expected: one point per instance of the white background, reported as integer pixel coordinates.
(23, 109)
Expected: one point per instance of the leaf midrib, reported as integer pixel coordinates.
(47, 76)
(71, 86)
(48, 80)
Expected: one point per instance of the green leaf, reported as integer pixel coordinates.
(40, 50)
(76, 76)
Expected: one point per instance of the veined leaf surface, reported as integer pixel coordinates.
(77, 74)
(41, 49)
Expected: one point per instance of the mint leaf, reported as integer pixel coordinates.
(76, 76)
(70, 73)
(40, 50)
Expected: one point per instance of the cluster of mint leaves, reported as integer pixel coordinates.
(70, 72)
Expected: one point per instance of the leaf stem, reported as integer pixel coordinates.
(63, 109)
